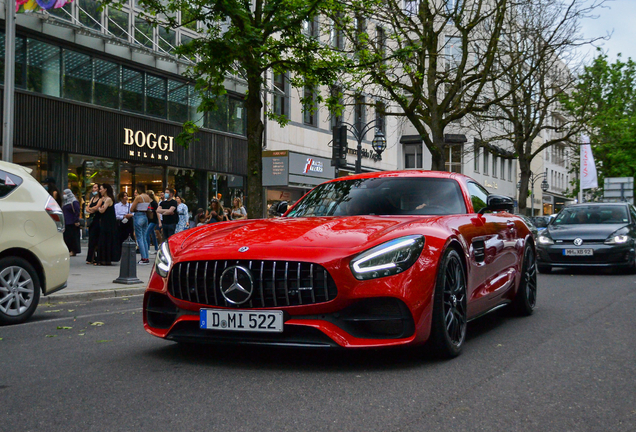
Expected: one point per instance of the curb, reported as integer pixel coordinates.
(93, 295)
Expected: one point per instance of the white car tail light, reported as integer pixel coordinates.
(54, 210)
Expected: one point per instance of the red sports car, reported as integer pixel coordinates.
(371, 260)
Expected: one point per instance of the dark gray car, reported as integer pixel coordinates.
(589, 235)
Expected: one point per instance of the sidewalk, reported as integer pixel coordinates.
(89, 282)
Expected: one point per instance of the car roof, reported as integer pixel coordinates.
(597, 204)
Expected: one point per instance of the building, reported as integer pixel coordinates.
(100, 98)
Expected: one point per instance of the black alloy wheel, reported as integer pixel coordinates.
(526, 299)
(448, 330)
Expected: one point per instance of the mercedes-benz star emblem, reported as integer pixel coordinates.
(578, 241)
(243, 249)
(237, 284)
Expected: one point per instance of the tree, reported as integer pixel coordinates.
(605, 95)
(249, 39)
(431, 59)
(534, 77)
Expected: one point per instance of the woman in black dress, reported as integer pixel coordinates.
(93, 223)
(107, 243)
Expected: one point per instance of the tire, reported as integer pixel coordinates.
(544, 269)
(448, 327)
(19, 290)
(526, 298)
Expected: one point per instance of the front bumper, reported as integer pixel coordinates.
(603, 255)
(365, 314)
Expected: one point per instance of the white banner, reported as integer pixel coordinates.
(588, 168)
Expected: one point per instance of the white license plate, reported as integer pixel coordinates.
(241, 320)
(578, 252)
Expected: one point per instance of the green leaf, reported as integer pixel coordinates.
(97, 323)
(50, 336)
(104, 341)
(64, 328)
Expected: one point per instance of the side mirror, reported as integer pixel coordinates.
(281, 207)
(498, 203)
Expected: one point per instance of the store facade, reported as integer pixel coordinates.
(82, 117)
(288, 175)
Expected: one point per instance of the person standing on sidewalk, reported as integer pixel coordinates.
(124, 221)
(139, 209)
(182, 211)
(107, 244)
(153, 219)
(92, 221)
(71, 209)
(168, 211)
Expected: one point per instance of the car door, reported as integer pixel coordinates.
(487, 237)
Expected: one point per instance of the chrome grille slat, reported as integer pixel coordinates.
(274, 283)
(286, 287)
(196, 278)
(205, 282)
(260, 285)
(311, 282)
(300, 293)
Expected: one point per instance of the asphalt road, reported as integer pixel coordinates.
(569, 367)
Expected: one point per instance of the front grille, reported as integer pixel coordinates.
(275, 283)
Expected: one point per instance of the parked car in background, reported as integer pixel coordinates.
(590, 235)
(370, 260)
(34, 259)
(541, 222)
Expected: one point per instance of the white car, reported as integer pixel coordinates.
(33, 255)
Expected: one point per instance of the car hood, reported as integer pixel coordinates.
(584, 232)
(316, 232)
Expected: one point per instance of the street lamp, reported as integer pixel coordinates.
(378, 143)
(544, 187)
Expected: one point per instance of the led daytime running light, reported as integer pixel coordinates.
(356, 265)
(163, 261)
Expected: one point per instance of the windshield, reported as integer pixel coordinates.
(592, 215)
(383, 196)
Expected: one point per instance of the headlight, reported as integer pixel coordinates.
(617, 239)
(544, 240)
(389, 258)
(163, 260)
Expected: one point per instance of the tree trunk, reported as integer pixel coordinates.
(253, 108)
(524, 171)
(438, 161)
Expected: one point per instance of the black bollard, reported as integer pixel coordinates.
(128, 265)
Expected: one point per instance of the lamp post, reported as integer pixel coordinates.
(544, 187)
(378, 143)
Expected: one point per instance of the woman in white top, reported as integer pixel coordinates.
(139, 208)
(238, 211)
(124, 220)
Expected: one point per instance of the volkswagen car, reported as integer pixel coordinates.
(370, 260)
(34, 259)
(590, 235)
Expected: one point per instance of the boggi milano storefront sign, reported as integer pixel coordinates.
(148, 145)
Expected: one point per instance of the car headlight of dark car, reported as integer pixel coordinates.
(163, 260)
(389, 258)
(544, 239)
(618, 237)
